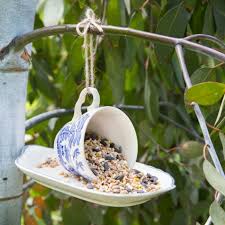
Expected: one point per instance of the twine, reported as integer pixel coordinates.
(82, 29)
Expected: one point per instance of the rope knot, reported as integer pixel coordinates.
(89, 22)
(82, 28)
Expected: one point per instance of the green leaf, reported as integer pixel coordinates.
(213, 177)
(113, 13)
(217, 214)
(115, 70)
(76, 213)
(220, 111)
(144, 132)
(222, 139)
(197, 18)
(192, 61)
(151, 98)
(203, 74)
(206, 93)
(42, 80)
(127, 4)
(95, 214)
(180, 216)
(53, 12)
(209, 27)
(75, 59)
(167, 75)
(191, 149)
(173, 23)
(219, 15)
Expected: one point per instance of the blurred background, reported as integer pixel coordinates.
(129, 71)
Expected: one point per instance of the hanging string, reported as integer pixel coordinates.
(82, 29)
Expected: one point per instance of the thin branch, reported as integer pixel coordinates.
(28, 184)
(45, 116)
(206, 37)
(214, 128)
(129, 107)
(20, 42)
(184, 118)
(164, 117)
(220, 124)
(201, 120)
(62, 112)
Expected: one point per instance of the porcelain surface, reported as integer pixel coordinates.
(108, 122)
(34, 155)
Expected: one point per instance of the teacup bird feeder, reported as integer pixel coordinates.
(108, 122)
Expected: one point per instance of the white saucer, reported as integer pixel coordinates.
(34, 155)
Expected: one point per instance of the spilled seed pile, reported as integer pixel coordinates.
(50, 162)
(111, 169)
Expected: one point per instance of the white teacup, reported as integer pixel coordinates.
(107, 122)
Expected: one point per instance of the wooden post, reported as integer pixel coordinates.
(16, 17)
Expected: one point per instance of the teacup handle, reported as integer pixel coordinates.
(95, 104)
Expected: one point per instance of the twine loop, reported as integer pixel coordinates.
(88, 22)
(82, 29)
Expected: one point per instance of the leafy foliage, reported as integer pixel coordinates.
(217, 214)
(136, 72)
(213, 177)
(206, 93)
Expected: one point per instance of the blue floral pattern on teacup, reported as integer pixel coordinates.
(67, 144)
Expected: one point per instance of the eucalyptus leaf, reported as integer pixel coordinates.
(206, 93)
(209, 24)
(53, 12)
(173, 23)
(222, 139)
(95, 214)
(219, 15)
(191, 149)
(151, 98)
(144, 132)
(217, 214)
(113, 12)
(116, 71)
(203, 74)
(213, 177)
(220, 111)
(41, 79)
(127, 4)
(76, 213)
(197, 18)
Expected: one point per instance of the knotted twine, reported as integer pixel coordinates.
(82, 29)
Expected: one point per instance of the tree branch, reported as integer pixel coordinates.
(184, 118)
(62, 112)
(164, 117)
(201, 120)
(28, 184)
(20, 42)
(206, 37)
